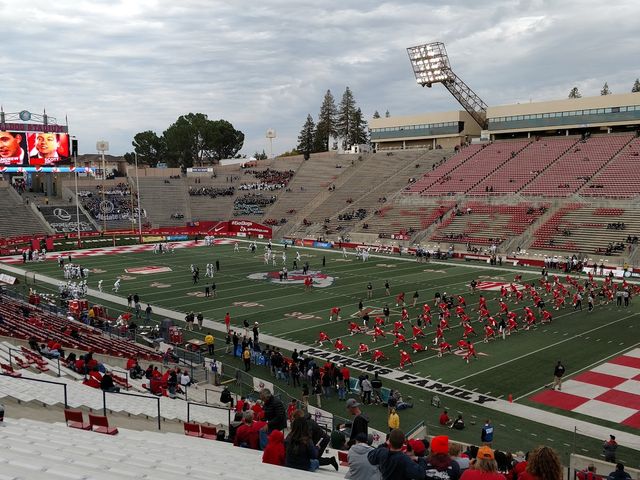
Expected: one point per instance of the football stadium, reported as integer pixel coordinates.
(455, 294)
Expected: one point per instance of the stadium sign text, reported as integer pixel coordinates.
(390, 374)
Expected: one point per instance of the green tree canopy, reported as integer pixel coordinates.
(636, 86)
(575, 93)
(150, 148)
(306, 142)
(195, 140)
(605, 89)
(326, 126)
(359, 133)
(376, 114)
(346, 111)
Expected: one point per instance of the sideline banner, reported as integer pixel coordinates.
(259, 384)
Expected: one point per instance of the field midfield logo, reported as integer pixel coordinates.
(126, 277)
(97, 270)
(496, 286)
(196, 294)
(385, 265)
(159, 285)
(367, 310)
(247, 304)
(295, 277)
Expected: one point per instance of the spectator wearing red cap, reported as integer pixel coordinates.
(439, 464)
(418, 447)
(484, 467)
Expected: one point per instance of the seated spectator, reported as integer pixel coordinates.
(483, 467)
(444, 418)
(619, 473)
(94, 379)
(185, 379)
(274, 451)
(338, 440)
(107, 385)
(234, 425)
(543, 464)
(248, 434)
(359, 466)
(462, 460)
(440, 466)
(33, 344)
(588, 473)
(300, 452)
(458, 423)
(226, 397)
(134, 369)
(393, 463)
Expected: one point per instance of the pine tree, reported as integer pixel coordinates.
(605, 89)
(575, 93)
(305, 139)
(387, 114)
(636, 86)
(326, 127)
(376, 114)
(359, 134)
(346, 111)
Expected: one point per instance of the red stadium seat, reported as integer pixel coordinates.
(74, 419)
(100, 424)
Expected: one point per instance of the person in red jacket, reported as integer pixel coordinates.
(274, 451)
(323, 337)
(227, 322)
(340, 346)
(248, 434)
(334, 314)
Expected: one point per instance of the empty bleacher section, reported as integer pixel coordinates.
(17, 219)
(37, 450)
(374, 181)
(394, 220)
(620, 178)
(164, 201)
(64, 218)
(476, 168)
(440, 173)
(479, 224)
(25, 321)
(312, 178)
(576, 167)
(577, 227)
(521, 169)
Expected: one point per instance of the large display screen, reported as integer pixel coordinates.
(33, 148)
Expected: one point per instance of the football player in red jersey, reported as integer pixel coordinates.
(404, 359)
(334, 314)
(363, 348)
(340, 346)
(323, 337)
(378, 355)
(400, 338)
(377, 332)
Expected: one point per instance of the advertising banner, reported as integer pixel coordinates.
(248, 228)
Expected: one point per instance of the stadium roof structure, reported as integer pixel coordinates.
(431, 65)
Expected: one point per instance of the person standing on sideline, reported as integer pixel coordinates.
(558, 372)
(394, 420)
(609, 447)
(486, 437)
(147, 314)
(369, 291)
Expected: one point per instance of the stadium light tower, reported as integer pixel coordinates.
(430, 64)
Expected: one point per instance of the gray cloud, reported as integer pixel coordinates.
(120, 67)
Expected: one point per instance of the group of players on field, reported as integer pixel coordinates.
(502, 323)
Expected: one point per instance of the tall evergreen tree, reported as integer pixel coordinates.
(636, 86)
(376, 114)
(359, 133)
(605, 89)
(575, 93)
(326, 126)
(387, 114)
(306, 137)
(346, 111)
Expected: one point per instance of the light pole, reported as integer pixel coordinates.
(75, 175)
(135, 154)
(102, 147)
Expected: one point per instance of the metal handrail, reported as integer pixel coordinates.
(64, 385)
(228, 410)
(104, 402)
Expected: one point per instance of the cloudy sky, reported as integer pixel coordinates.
(116, 68)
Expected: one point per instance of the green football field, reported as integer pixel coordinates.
(519, 366)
